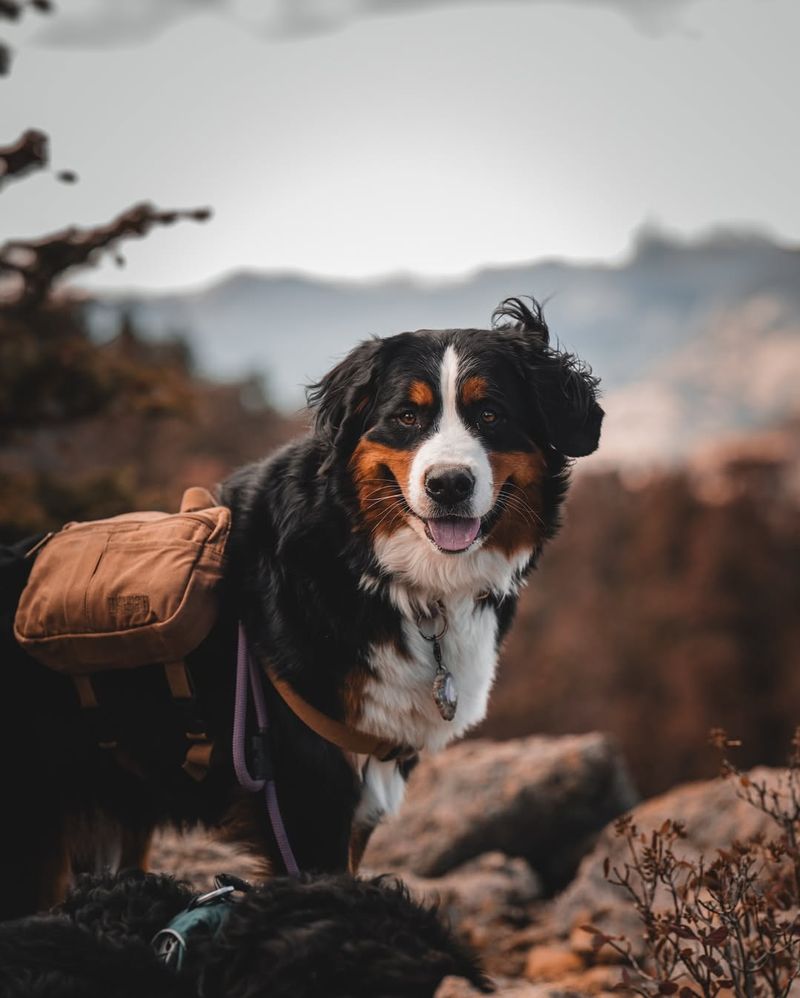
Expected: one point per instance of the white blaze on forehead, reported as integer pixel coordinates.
(451, 446)
(449, 386)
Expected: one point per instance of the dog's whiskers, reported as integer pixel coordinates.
(396, 509)
(524, 509)
(391, 495)
(525, 513)
(523, 502)
(387, 488)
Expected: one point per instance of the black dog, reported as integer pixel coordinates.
(376, 566)
(330, 936)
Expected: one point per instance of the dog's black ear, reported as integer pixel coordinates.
(564, 388)
(343, 400)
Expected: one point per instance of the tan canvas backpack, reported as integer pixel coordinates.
(132, 590)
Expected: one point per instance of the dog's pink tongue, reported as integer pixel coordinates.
(454, 533)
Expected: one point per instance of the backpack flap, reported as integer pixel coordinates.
(132, 590)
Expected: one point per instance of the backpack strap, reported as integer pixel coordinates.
(84, 687)
(100, 721)
(197, 760)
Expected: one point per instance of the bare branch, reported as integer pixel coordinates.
(30, 268)
(30, 152)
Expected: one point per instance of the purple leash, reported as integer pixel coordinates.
(246, 669)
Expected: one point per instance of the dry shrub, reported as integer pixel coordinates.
(723, 925)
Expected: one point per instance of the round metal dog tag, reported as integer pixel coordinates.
(445, 694)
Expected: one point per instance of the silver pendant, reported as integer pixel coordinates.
(445, 695)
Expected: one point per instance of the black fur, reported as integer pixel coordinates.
(51, 957)
(334, 936)
(127, 905)
(563, 388)
(338, 419)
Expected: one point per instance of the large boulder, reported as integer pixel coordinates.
(714, 815)
(542, 799)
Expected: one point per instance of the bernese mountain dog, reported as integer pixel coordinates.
(375, 565)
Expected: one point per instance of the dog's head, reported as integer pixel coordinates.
(451, 434)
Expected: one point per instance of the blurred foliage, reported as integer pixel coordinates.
(92, 430)
(52, 373)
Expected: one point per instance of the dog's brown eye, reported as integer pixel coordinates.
(489, 416)
(407, 417)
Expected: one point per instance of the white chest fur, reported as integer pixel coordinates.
(397, 702)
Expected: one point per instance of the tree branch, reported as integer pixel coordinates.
(30, 268)
(29, 152)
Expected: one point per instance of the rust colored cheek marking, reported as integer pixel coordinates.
(474, 389)
(380, 497)
(420, 393)
(520, 526)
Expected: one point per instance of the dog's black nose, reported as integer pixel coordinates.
(450, 485)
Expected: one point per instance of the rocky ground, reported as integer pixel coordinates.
(510, 840)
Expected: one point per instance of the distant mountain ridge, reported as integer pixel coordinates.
(677, 321)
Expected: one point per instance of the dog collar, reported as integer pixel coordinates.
(360, 742)
(209, 910)
(349, 739)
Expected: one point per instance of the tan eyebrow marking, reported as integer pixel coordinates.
(474, 389)
(420, 393)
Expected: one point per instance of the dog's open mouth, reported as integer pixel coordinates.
(453, 533)
(459, 533)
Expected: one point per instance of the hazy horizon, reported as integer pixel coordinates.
(645, 232)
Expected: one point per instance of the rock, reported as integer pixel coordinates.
(599, 980)
(549, 963)
(580, 943)
(485, 901)
(489, 887)
(198, 857)
(543, 799)
(713, 815)
(457, 987)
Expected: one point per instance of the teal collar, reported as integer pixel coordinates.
(209, 910)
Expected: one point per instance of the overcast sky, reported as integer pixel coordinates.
(361, 137)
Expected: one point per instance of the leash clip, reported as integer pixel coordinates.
(214, 895)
